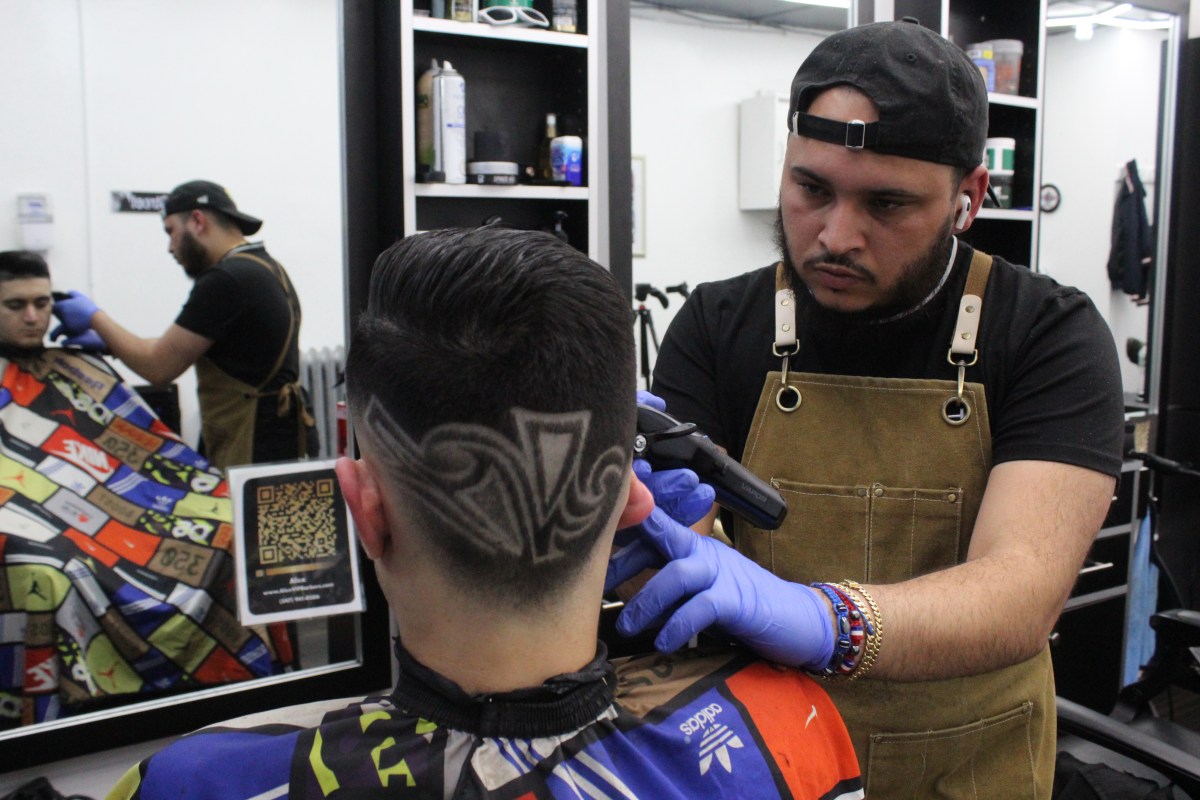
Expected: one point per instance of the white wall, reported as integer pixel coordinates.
(686, 81)
(1101, 111)
(143, 95)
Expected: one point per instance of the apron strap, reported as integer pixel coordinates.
(293, 314)
(962, 344)
(291, 395)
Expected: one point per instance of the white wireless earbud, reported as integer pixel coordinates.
(964, 215)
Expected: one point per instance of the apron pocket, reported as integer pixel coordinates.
(972, 760)
(912, 532)
(823, 538)
(870, 533)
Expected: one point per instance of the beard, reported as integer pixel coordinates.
(918, 278)
(192, 257)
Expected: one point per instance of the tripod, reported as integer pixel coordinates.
(646, 332)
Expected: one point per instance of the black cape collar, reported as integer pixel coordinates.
(559, 706)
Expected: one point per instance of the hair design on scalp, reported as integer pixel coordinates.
(492, 376)
(527, 500)
(18, 264)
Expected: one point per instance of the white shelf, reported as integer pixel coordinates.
(1015, 100)
(518, 192)
(1020, 215)
(510, 33)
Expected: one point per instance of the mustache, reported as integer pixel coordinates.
(827, 258)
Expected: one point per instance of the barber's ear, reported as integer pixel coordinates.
(638, 505)
(362, 494)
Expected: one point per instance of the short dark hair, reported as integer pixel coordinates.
(493, 375)
(15, 264)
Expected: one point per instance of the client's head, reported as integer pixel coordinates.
(491, 383)
(25, 299)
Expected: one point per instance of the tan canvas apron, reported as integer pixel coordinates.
(228, 405)
(882, 487)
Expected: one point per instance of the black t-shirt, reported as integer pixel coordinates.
(1046, 359)
(243, 308)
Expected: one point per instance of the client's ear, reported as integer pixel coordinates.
(362, 494)
(638, 505)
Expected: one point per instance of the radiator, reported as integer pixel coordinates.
(321, 374)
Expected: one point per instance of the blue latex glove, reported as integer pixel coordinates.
(89, 340)
(644, 398)
(788, 623)
(75, 312)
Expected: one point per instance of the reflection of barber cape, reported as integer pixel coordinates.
(114, 548)
(883, 487)
(228, 406)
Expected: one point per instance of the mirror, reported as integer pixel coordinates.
(118, 96)
(1088, 139)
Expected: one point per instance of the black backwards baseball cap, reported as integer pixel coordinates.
(932, 100)
(210, 197)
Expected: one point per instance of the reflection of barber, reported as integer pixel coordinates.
(954, 477)
(240, 327)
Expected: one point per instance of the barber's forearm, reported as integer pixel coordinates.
(1034, 529)
(945, 625)
(139, 354)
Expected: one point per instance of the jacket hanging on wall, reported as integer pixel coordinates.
(1131, 258)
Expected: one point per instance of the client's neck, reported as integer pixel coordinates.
(487, 647)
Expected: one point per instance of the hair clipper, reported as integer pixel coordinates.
(668, 443)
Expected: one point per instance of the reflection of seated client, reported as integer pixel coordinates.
(240, 328)
(24, 301)
(114, 535)
(491, 383)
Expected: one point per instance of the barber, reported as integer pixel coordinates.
(945, 426)
(240, 328)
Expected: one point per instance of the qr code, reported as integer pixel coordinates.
(296, 521)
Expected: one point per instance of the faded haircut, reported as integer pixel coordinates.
(493, 376)
(18, 264)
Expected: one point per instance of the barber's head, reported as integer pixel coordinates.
(888, 124)
(25, 299)
(201, 221)
(490, 382)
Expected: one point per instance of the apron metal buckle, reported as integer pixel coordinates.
(788, 398)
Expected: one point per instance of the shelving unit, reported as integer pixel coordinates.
(514, 77)
(1087, 644)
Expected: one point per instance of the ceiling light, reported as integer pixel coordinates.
(826, 3)
(1094, 19)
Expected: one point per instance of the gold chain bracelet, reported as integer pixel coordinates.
(875, 640)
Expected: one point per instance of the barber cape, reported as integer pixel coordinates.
(686, 726)
(115, 542)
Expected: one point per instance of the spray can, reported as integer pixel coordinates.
(427, 171)
(450, 123)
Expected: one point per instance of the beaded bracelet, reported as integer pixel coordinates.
(842, 643)
(875, 639)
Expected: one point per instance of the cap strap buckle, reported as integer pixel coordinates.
(856, 134)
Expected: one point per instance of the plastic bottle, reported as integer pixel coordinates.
(566, 159)
(545, 165)
(450, 119)
(564, 16)
(426, 151)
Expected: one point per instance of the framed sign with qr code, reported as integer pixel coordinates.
(297, 557)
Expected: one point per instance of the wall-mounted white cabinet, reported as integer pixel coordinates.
(762, 142)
